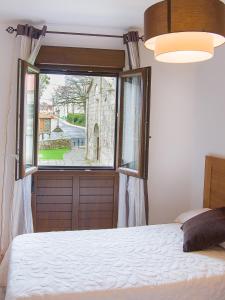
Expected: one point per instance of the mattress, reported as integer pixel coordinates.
(139, 263)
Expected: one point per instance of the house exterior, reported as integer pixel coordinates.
(47, 123)
(100, 117)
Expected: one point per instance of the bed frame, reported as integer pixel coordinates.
(214, 187)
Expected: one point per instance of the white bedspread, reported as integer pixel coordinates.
(143, 263)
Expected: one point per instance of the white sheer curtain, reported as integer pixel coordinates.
(22, 187)
(136, 194)
(15, 198)
(122, 211)
(132, 192)
(7, 190)
(132, 198)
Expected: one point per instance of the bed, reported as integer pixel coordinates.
(129, 263)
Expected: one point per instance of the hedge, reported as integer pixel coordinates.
(76, 119)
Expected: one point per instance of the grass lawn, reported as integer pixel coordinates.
(55, 154)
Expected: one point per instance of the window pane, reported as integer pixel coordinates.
(131, 122)
(29, 116)
(77, 120)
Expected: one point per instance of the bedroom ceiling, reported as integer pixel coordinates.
(99, 13)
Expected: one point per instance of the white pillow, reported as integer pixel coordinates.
(182, 218)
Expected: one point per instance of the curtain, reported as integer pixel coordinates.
(136, 194)
(131, 40)
(15, 197)
(132, 199)
(21, 187)
(132, 191)
(36, 46)
(122, 205)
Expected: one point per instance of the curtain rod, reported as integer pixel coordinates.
(11, 30)
(86, 34)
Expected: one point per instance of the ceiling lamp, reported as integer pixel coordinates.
(184, 31)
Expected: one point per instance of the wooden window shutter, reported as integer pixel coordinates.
(51, 57)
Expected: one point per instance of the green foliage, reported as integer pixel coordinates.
(76, 119)
(44, 82)
(53, 154)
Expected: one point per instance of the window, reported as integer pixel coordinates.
(27, 106)
(75, 125)
(134, 123)
(77, 120)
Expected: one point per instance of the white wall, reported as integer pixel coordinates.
(187, 123)
(209, 119)
(171, 127)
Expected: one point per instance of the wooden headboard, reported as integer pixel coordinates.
(214, 187)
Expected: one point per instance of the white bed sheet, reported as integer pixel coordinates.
(139, 263)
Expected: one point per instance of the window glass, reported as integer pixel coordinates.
(29, 117)
(26, 120)
(131, 122)
(77, 117)
(134, 111)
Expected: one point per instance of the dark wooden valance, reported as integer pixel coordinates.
(80, 57)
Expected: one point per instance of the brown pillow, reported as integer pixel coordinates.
(204, 230)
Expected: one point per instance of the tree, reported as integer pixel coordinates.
(79, 88)
(44, 82)
(61, 97)
(75, 92)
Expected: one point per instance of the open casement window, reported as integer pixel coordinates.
(27, 119)
(133, 137)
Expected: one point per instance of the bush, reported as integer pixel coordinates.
(76, 119)
(55, 144)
